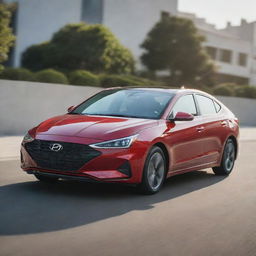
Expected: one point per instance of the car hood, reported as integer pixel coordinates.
(95, 127)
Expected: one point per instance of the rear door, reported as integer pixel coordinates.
(213, 125)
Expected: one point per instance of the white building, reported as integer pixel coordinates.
(246, 31)
(129, 20)
(233, 49)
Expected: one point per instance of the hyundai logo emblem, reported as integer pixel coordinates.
(56, 147)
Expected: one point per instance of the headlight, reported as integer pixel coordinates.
(118, 143)
(28, 138)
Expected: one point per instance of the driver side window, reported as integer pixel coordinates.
(185, 104)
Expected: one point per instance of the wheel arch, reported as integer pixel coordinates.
(166, 154)
(233, 138)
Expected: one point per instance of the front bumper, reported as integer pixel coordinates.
(111, 165)
(62, 176)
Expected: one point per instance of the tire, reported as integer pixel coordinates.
(228, 159)
(46, 179)
(154, 172)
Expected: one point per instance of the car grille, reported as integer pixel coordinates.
(71, 157)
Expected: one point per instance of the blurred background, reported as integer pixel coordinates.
(105, 43)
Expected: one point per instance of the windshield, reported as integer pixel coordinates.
(126, 103)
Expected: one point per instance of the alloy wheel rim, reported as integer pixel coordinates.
(229, 156)
(156, 170)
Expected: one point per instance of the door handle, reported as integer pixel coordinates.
(224, 123)
(200, 129)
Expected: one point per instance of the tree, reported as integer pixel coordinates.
(6, 36)
(80, 46)
(35, 57)
(174, 44)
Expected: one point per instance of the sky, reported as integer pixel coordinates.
(218, 12)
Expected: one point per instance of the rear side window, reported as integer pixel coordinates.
(185, 104)
(206, 105)
(217, 106)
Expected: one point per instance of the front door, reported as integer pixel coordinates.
(185, 138)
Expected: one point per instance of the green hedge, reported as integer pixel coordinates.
(82, 77)
(77, 77)
(224, 90)
(21, 74)
(51, 76)
(245, 91)
(230, 89)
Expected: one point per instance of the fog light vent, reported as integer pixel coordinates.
(125, 169)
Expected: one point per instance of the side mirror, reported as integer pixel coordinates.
(183, 116)
(70, 109)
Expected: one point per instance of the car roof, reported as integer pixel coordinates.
(162, 89)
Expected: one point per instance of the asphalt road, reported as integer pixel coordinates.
(195, 214)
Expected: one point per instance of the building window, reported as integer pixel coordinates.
(242, 59)
(212, 52)
(225, 56)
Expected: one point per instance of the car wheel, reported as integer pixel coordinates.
(228, 159)
(45, 178)
(154, 172)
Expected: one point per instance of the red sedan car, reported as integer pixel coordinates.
(134, 136)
